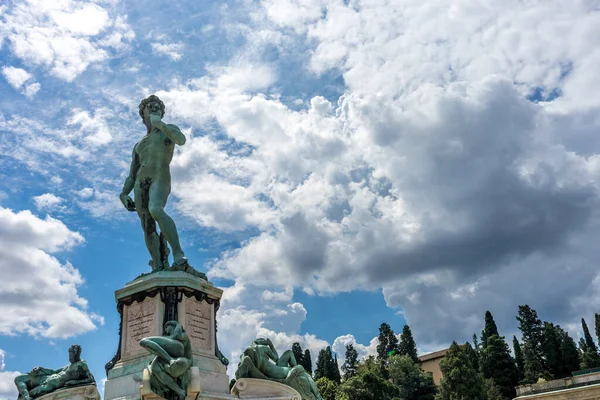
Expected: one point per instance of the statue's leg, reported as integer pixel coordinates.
(21, 383)
(167, 379)
(287, 359)
(164, 347)
(142, 199)
(159, 192)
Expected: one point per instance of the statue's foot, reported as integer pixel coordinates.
(181, 394)
(180, 261)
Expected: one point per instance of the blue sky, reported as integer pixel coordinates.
(347, 163)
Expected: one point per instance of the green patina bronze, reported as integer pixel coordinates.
(40, 381)
(170, 369)
(261, 361)
(150, 179)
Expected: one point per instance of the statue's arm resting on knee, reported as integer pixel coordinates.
(130, 182)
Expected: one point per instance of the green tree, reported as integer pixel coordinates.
(597, 325)
(518, 358)
(570, 354)
(320, 368)
(533, 335)
(407, 346)
(368, 365)
(351, 362)
(498, 365)
(327, 388)
(368, 386)
(307, 361)
(589, 358)
(460, 380)
(492, 391)
(337, 378)
(412, 381)
(552, 351)
(388, 345)
(472, 355)
(489, 329)
(298, 354)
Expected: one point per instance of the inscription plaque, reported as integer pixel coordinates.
(141, 322)
(198, 324)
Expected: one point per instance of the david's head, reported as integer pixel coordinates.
(151, 105)
(74, 353)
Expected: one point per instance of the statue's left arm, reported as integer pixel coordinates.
(172, 131)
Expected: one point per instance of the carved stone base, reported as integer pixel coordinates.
(87, 392)
(193, 389)
(145, 304)
(262, 389)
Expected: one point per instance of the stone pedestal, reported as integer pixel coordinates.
(193, 389)
(87, 392)
(145, 304)
(261, 389)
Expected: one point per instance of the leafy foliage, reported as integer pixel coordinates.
(407, 346)
(460, 380)
(412, 381)
(498, 365)
(533, 335)
(327, 388)
(307, 361)
(298, 354)
(351, 362)
(519, 358)
(590, 357)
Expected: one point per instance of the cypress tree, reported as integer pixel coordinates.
(471, 355)
(351, 362)
(590, 357)
(388, 342)
(329, 365)
(519, 358)
(597, 325)
(533, 335)
(298, 354)
(307, 361)
(569, 352)
(407, 345)
(498, 365)
(460, 380)
(388, 345)
(337, 377)
(552, 353)
(489, 329)
(320, 369)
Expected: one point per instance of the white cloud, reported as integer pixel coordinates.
(41, 298)
(172, 50)
(32, 89)
(16, 76)
(47, 201)
(85, 193)
(95, 128)
(8, 389)
(64, 37)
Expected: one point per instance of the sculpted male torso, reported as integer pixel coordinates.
(150, 179)
(41, 381)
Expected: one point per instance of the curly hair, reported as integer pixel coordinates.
(148, 100)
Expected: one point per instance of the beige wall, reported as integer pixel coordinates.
(433, 366)
(591, 392)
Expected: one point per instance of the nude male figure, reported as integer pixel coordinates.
(41, 381)
(150, 179)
